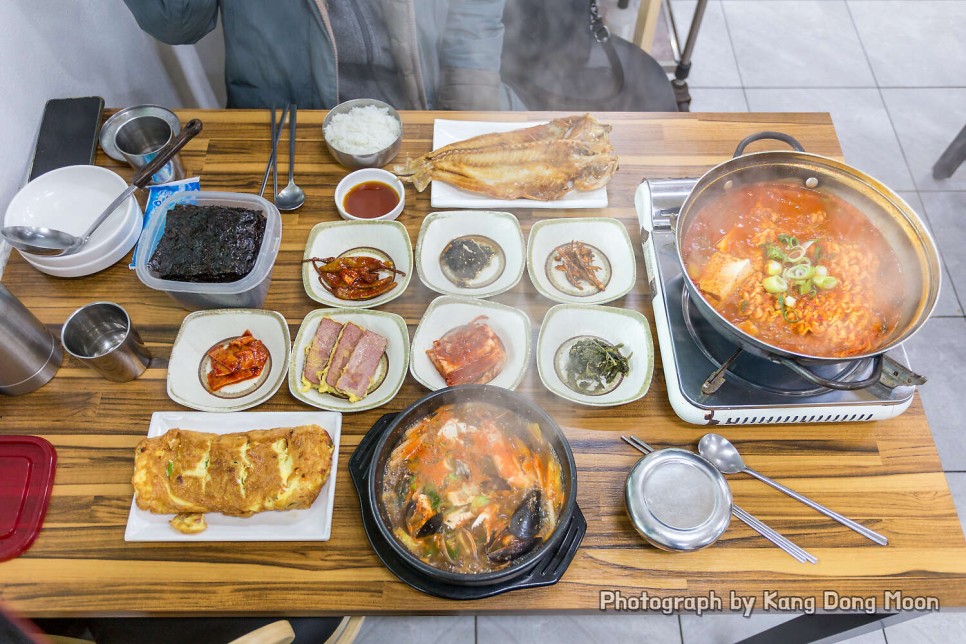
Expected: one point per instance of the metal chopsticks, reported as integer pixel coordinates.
(772, 535)
(272, 159)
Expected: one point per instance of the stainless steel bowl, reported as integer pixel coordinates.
(677, 500)
(354, 161)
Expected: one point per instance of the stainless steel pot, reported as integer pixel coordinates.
(903, 230)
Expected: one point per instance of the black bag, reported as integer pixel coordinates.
(557, 55)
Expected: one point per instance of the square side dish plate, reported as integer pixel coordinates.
(205, 331)
(591, 248)
(446, 196)
(311, 524)
(390, 372)
(446, 313)
(383, 240)
(567, 324)
(443, 261)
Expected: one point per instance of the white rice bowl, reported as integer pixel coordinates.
(362, 130)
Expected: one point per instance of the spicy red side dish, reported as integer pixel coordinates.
(241, 359)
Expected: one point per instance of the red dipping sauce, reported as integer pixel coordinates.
(370, 199)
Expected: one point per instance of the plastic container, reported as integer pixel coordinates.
(246, 293)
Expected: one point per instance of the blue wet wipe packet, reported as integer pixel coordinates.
(156, 196)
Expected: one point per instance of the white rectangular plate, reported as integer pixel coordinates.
(446, 196)
(311, 524)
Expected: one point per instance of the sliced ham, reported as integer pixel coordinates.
(321, 348)
(361, 368)
(351, 334)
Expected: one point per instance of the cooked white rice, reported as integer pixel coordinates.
(362, 130)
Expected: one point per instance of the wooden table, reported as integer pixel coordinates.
(886, 474)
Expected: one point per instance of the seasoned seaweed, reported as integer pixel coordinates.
(211, 244)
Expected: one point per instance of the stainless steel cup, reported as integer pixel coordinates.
(29, 354)
(101, 336)
(141, 138)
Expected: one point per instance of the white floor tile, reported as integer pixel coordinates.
(578, 629)
(934, 628)
(796, 43)
(861, 121)
(713, 60)
(707, 99)
(913, 43)
(926, 121)
(417, 630)
(948, 304)
(937, 352)
(944, 210)
(725, 629)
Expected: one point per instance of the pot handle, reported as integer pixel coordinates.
(778, 136)
(839, 385)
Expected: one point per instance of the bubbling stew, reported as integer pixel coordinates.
(802, 270)
(472, 487)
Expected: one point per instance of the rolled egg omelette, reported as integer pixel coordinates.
(189, 473)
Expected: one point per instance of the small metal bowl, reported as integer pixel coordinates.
(354, 161)
(677, 500)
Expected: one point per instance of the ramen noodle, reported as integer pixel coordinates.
(799, 269)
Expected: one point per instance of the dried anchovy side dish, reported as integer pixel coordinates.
(577, 264)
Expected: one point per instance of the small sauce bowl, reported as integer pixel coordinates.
(677, 500)
(358, 177)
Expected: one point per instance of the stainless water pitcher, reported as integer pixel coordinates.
(29, 354)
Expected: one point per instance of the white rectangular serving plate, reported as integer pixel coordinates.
(311, 524)
(444, 195)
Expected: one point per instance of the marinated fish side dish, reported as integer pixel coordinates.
(800, 269)
(345, 360)
(210, 244)
(543, 162)
(189, 473)
(472, 487)
(355, 277)
(237, 360)
(469, 354)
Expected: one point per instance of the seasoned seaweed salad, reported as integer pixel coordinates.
(208, 244)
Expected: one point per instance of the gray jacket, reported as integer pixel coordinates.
(446, 51)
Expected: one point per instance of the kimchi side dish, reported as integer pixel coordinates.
(799, 269)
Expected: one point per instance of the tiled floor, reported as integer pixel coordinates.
(893, 75)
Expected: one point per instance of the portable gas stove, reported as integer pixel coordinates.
(710, 381)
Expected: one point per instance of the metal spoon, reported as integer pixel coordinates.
(40, 240)
(291, 196)
(726, 458)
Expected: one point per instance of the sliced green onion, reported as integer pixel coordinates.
(773, 267)
(790, 300)
(825, 282)
(775, 284)
(796, 254)
(821, 271)
(804, 288)
(797, 272)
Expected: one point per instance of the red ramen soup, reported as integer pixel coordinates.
(799, 269)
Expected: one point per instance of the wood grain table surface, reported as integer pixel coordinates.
(884, 474)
